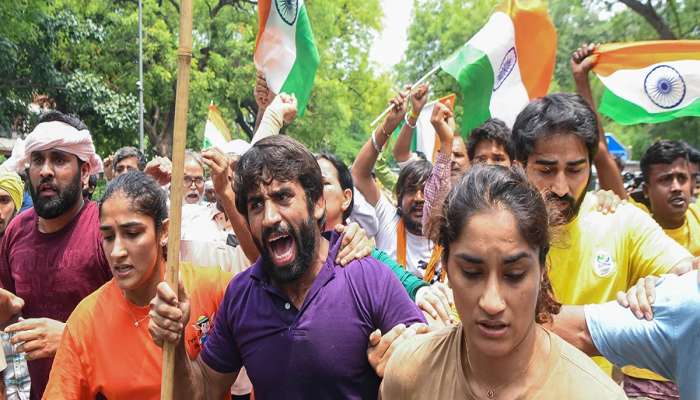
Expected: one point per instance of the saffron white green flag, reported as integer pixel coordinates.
(425, 139)
(649, 82)
(285, 50)
(216, 133)
(507, 63)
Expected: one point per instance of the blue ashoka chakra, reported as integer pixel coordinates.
(664, 86)
(507, 66)
(287, 9)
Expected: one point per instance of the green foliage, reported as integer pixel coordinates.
(439, 27)
(85, 55)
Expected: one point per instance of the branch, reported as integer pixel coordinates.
(652, 17)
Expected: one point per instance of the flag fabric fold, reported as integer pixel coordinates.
(425, 139)
(507, 63)
(285, 50)
(649, 82)
(216, 133)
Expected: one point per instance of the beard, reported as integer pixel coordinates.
(305, 242)
(566, 208)
(50, 208)
(412, 225)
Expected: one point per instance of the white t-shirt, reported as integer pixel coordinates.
(418, 248)
(364, 214)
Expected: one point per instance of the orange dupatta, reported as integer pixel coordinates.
(434, 257)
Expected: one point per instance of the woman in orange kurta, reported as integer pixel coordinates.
(106, 350)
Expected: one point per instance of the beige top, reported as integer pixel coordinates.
(430, 367)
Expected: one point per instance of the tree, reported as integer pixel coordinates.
(440, 27)
(89, 67)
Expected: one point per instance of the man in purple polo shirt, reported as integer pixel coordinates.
(296, 320)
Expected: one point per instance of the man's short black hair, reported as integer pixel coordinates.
(128, 152)
(662, 152)
(280, 158)
(693, 154)
(552, 114)
(493, 129)
(69, 119)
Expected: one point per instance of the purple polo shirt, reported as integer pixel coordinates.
(319, 351)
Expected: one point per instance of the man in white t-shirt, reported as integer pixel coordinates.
(400, 228)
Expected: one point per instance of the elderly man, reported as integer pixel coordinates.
(51, 256)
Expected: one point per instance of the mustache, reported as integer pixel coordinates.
(47, 183)
(275, 230)
(570, 201)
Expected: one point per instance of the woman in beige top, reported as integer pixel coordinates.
(494, 231)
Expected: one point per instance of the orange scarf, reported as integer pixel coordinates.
(434, 257)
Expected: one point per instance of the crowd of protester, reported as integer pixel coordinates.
(492, 271)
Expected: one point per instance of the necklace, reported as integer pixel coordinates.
(136, 321)
(493, 391)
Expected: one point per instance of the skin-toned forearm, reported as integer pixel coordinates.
(239, 225)
(570, 325)
(402, 147)
(362, 167)
(608, 174)
(188, 380)
(684, 266)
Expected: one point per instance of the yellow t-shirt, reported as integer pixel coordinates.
(596, 255)
(432, 366)
(688, 235)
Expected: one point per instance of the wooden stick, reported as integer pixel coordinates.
(184, 56)
(418, 82)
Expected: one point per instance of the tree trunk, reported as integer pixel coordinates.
(652, 17)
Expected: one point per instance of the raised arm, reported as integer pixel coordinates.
(263, 97)
(608, 174)
(439, 181)
(280, 112)
(402, 147)
(367, 157)
(218, 163)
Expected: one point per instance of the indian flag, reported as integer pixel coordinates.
(649, 82)
(425, 139)
(507, 63)
(285, 50)
(216, 133)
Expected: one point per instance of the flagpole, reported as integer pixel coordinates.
(141, 77)
(184, 56)
(418, 82)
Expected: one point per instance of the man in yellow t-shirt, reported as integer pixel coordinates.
(668, 186)
(593, 256)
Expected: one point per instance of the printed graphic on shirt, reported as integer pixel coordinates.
(202, 327)
(603, 265)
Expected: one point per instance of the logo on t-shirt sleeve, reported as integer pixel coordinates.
(603, 264)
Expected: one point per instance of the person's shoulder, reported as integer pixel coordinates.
(410, 357)
(368, 269)
(575, 366)
(92, 307)
(21, 224)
